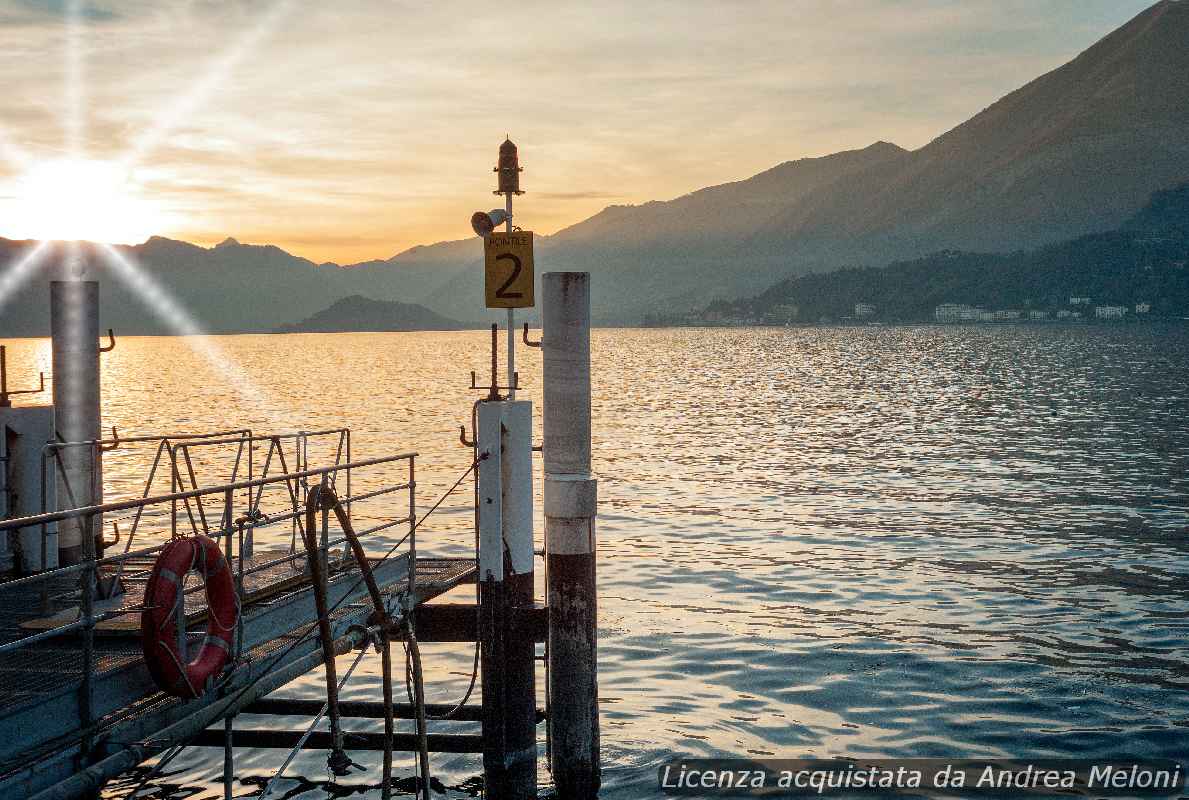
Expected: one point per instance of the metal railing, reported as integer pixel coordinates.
(233, 529)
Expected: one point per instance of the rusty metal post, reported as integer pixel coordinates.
(570, 508)
(74, 324)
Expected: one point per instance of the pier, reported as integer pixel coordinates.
(133, 628)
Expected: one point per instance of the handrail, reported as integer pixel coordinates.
(157, 437)
(141, 502)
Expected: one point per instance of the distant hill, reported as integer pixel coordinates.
(1146, 261)
(662, 253)
(1075, 152)
(356, 313)
(228, 288)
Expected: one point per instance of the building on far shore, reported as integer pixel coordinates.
(1143, 308)
(956, 312)
(1079, 301)
(1110, 312)
(785, 314)
(864, 310)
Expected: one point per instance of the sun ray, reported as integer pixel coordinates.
(14, 278)
(216, 74)
(14, 154)
(179, 321)
(73, 95)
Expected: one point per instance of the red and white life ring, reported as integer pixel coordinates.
(159, 623)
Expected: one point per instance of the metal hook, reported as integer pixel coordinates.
(115, 435)
(462, 436)
(111, 338)
(526, 339)
(115, 526)
(5, 393)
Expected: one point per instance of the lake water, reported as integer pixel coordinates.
(878, 542)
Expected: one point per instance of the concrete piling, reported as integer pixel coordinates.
(74, 324)
(570, 508)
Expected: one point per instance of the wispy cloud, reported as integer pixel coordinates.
(31, 12)
(579, 196)
(354, 130)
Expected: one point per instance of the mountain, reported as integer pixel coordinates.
(1076, 151)
(420, 272)
(225, 289)
(647, 253)
(228, 288)
(356, 313)
(1143, 263)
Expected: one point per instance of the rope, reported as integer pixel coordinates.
(173, 753)
(305, 736)
(389, 721)
(359, 582)
(475, 663)
(417, 524)
(419, 705)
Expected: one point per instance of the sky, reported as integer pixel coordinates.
(354, 130)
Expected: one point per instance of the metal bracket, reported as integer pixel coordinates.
(111, 338)
(526, 339)
(5, 393)
(495, 387)
(493, 390)
(115, 435)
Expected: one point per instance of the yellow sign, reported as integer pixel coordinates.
(509, 269)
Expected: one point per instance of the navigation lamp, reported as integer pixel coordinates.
(509, 169)
(484, 222)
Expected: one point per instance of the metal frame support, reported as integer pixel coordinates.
(570, 509)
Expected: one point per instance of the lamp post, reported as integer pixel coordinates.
(508, 168)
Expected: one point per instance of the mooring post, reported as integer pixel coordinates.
(74, 326)
(506, 586)
(570, 507)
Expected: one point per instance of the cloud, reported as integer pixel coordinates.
(579, 196)
(31, 12)
(378, 121)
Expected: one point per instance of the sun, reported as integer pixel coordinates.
(72, 199)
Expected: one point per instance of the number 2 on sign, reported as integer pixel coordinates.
(508, 272)
(503, 293)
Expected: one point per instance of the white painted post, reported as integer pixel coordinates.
(506, 586)
(24, 432)
(570, 509)
(491, 496)
(516, 467)
(74, 325)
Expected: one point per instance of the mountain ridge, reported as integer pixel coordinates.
(1074, 151)
(1141, 267)
(361, 314)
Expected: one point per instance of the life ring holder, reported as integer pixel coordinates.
(159, 620)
